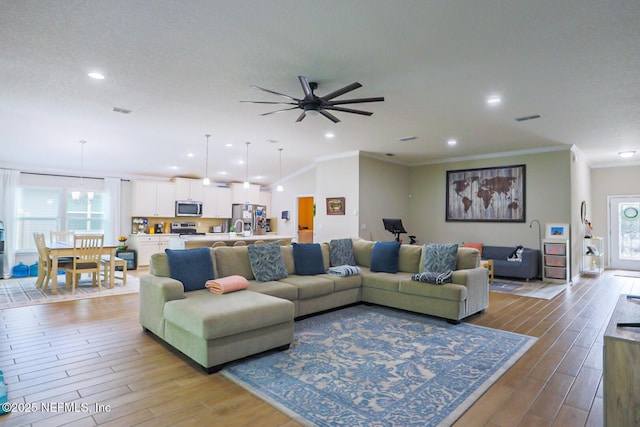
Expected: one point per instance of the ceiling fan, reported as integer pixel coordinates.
(313, 103)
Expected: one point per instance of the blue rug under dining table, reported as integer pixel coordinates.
(376, 366)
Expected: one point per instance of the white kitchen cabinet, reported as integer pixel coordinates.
(241, 195)
(216, 202)
(150, 198)
(188, 189)
(148, 244)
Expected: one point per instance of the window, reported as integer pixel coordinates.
(87, 213)
(38, 212)
(43, 210)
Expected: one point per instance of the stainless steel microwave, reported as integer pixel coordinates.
(188, 208)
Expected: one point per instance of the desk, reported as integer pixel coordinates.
(60, 249)
(488, 264)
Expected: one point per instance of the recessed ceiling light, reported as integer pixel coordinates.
(626, 154)
(173, 167)
(329, 135)
(223, 172)
(452, 142)
(189, 154)
(494, 100)
(96, 76)
(228, 144)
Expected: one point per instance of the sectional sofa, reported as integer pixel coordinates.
(213, 329)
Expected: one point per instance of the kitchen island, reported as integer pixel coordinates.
(199, 241)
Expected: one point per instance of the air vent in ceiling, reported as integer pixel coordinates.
(525, 118)
(407, 138)
(120, 110)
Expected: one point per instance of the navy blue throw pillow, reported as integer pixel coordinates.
(192, 267)
(384, 257)
(307, 258)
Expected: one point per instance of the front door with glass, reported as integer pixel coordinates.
(624, 231)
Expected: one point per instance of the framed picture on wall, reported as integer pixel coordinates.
(557, 231)
(495, 194)
(335, 205)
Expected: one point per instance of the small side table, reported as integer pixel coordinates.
(488, 264)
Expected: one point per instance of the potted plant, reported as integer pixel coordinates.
(232, 232)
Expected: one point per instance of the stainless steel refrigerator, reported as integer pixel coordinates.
(252, 217)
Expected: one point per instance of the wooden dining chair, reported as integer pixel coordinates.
(87, 251)
(44, 262)
(240, 243)
(105, 260)
(259, 242)
(218, 244)
(62, 236)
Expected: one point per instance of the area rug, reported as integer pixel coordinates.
(375, 366)
(23, 292)
(531, 289)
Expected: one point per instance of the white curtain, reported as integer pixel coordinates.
(112, 188)
(9, 180)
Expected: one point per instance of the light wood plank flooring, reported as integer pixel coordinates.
(93, 351)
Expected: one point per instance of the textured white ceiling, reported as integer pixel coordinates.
(182, 68)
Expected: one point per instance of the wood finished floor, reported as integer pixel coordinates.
(93, 351)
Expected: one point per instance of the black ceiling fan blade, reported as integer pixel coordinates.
(349, 110)
(301, 117)
(278, 111)
(329, 116)
(274, 92)
(336, 93)
(356, 101)
(306, 87)
(270, 102)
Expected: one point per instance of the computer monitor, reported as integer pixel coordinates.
(394, 225)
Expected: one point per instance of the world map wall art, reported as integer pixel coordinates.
(488, 194)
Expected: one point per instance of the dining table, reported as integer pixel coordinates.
(58, 250)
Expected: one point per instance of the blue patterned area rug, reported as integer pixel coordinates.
(375, 366)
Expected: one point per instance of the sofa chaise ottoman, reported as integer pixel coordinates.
(213, 329)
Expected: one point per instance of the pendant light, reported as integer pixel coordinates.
(75, 195)
(246, 170)
(280, 187)
(206, 180)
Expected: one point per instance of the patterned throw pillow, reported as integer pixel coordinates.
(440, 257)
(267, 262)
(192, 267)
(341, 252)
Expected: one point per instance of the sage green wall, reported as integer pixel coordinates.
(548, 199)
(384, 193)
(605, 182)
